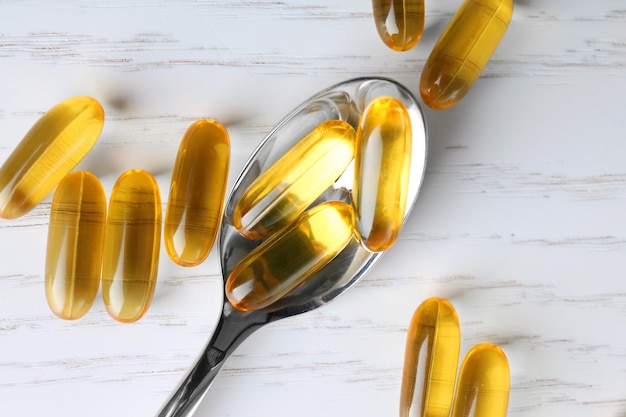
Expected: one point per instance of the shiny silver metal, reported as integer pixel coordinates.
(344, 101)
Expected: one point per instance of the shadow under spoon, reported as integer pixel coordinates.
(344, 101)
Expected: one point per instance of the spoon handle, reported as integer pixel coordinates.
(232, 329)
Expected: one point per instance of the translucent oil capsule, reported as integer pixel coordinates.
(382, 167)
(51, 148)
(463, 50)
(400, 23)
(431, 360)
(131, 247)
(290, 256)
(196, 198)
(75, 242)
(296, 180)
(484, 381)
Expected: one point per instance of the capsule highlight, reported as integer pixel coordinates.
(75, 245)
(463, 50)
(196, 199)
(382, 167)
(132, 243)
(399, 23)
(484, 383)
(430, 361)
(289, 257)
(288, 187)
(55, 144)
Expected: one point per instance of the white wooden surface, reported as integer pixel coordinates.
(520, 223)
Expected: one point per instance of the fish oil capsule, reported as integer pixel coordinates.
(463, 50)
(75, 242)
(399, 23)
(289, 257)
(484, 381)
(131, 247)
(196, 199)
(296, 180)
(382, 167)
(51, 148)
(432, 355)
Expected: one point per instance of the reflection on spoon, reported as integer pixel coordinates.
(345, 101)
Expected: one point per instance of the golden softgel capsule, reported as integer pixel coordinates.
(430, 361)
(463, 50)
(382, 166)
(297, 179)
(289, 257)
(399, 23)
(196, 199)
(75, 242)
(484, 381)
(131, 248)
(51, 148)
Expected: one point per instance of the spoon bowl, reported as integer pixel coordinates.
(345, 101)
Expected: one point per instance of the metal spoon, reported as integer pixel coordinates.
(344, 101)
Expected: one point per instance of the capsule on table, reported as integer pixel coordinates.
(382, 166)
(430, 361)
(51, 148)
(289, 257)
(484, 381)
(131, 247)
(295, 181)
(463, 50)
(75, 242)
(197, 190)
(399, 23)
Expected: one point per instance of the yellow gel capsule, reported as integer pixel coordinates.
(196, 199)
(484, 381)
(430, 361)
(463, 50)
(400, 23)
(75, 242)
(297, 179)
(289, 257)
(131, 247)
(50, 149)
(382, 167)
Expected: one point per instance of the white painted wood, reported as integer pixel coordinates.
(520, 223)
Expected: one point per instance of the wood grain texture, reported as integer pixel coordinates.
(519, 223)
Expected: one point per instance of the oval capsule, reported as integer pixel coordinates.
(399, 23)
(382, 166)
(198, 186)
(430, 362)
(289, 257)
(484, 383)
(51, 148)
(75, 243)
(131, 248)
(463, 50)
(290, 185)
